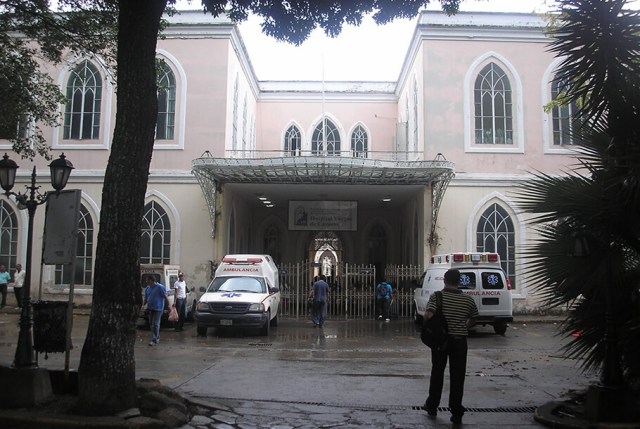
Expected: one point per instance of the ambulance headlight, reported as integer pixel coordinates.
(203, 306)
(257, 307)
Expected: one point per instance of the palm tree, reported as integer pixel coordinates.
(587, 256)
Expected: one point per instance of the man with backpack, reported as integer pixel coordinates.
(383, 300)
(459, 310)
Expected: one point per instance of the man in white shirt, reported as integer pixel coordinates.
(180, 300)
(18, 282)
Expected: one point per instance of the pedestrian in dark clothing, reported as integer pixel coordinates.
(459, 310)
(319, 296)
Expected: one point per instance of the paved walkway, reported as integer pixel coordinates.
(501, 392)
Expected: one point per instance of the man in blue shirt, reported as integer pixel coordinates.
(320, 295)
(5, 278)
(383, 299)
(155, 298)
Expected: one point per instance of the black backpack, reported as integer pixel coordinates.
(434, 331)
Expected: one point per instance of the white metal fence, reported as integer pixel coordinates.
(352, 290)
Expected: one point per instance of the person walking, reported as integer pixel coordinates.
(155, 298)
(5, 278)
(319, 297)
(18, 282)
(459, 310)
(180, 300)
(383, 299)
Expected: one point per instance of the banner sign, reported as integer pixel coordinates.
(323, 215)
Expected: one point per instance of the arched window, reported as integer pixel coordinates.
(328, 128)
(493, 107)
(562, 115)
(359, 142)
(377, 247)
(84, 95)
(165, 125)
(272, 242)
(84, 254)
(292, 141)
(155, 246)
(495, 233)
(8, 235)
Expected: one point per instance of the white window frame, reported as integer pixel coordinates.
(469, 108)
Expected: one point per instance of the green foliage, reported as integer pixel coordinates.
(293, 21)
(587, 256)
(31, 34)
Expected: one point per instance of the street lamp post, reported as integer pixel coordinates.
(60, 171)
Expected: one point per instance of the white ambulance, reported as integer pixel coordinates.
(244, 293)
(481, 277)
(167, 275)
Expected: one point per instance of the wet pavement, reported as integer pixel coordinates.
(349, 374)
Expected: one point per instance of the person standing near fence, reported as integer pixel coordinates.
(383, 299)
(319, 297)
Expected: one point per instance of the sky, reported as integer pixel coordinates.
(365, 53)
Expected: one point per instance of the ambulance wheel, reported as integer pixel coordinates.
(202, 331)
(264, 331)
(417, 318)
(500, 329)
(274, 321)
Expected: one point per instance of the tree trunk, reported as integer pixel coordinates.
(107, 364)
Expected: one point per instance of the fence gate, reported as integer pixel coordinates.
(352, 290)
(404, 279)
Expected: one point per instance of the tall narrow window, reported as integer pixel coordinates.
(84, 254)
(359, 142)
(8, 235)
(332, 140)
(416, 122)
(244, 131)
(165, 125)
(84, 95)
(155, 246)
(493, 107)
(292, 141)
(11, 129)
(234, 118)
(562, 115)
(495, 233)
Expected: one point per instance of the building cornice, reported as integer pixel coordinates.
(476, 26)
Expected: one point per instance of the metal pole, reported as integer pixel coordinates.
(25, 354)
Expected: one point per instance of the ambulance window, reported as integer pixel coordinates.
(237, 284)
(467, 280)
(492, 280)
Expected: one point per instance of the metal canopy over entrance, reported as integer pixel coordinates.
(212, 172)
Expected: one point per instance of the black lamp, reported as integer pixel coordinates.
(60, 171)
(8, 169)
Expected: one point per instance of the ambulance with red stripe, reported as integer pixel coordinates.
(244, 293)
(481, 277)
